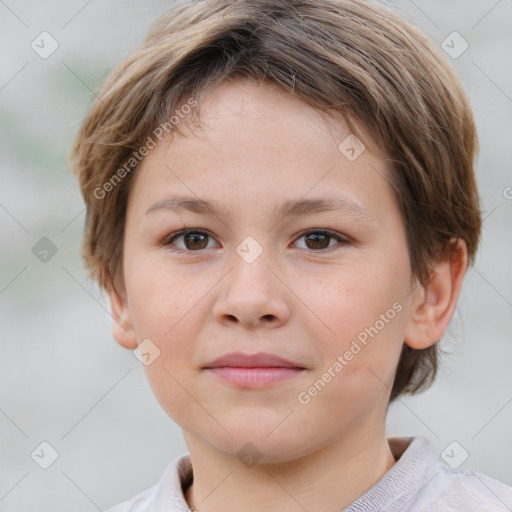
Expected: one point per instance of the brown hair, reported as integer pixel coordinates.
(346, 57)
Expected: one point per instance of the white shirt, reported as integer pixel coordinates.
(418, 482)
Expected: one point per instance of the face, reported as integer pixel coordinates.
(325, 285)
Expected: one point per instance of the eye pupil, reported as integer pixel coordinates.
(195, 238)
(318, 238)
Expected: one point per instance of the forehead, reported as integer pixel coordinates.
(265, 110)
(256, 140)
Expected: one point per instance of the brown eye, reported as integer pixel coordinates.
(195, 240)
(319, 240)
(190, 240)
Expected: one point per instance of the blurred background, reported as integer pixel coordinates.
(64, 381)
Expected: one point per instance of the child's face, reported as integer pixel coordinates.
(304, 298)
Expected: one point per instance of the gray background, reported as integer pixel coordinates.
(65, 381)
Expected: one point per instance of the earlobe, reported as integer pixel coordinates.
(122, 327)
(435, 303)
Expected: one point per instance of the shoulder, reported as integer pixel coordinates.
(420, 482)
(447, 489)
(137, 503)
(470, 491)
(167, 494)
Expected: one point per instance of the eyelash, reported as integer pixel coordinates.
(331, 234)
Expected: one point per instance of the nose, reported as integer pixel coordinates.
(252, 295)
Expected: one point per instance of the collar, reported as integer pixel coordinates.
(415, 466)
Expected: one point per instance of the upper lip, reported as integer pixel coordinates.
(259, 360)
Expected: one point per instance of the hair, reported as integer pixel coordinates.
(342, 57)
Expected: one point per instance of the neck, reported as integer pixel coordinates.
(327, 480)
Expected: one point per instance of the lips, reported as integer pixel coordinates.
(259, 360)
(253, 370)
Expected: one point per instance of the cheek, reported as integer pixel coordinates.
(161, 297)
(165, 308)
(347, 303)
(170, 387)
(362, 315)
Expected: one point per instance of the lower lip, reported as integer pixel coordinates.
(255, 377)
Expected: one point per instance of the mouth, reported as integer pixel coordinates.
(253, 370)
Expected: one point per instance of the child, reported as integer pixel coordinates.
(281, 205)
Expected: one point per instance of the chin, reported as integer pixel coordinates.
(268, 445)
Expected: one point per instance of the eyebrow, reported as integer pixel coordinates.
(286, 209)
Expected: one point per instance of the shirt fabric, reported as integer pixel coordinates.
(418, 482)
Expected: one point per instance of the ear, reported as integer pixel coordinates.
(122, 327)
(434, 304)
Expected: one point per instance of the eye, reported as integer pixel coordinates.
(193, 240)
(320, 239)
